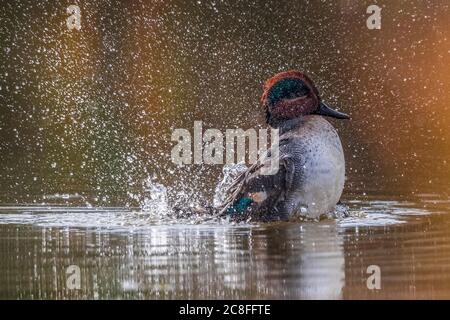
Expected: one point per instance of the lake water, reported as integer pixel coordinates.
(123, 253)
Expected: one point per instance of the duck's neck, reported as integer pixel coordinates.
(286, 125)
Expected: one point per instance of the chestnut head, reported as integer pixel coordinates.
(292, 94)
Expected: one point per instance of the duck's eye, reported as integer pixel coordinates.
(289, 88)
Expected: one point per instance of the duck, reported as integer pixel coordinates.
(310, 178)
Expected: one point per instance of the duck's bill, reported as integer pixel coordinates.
(325, 110)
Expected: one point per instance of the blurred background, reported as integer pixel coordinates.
(89, 114)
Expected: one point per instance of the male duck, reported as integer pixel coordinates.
(311, 174)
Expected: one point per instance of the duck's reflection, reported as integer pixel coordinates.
(278, 261)
(323, 262)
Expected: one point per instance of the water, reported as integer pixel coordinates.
(130, 253)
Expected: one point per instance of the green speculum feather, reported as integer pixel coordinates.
(240, 206)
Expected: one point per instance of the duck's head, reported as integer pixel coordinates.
(292, 94)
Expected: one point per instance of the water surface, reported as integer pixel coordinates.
(125, 253)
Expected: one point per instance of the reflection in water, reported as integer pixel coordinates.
(171, 262)
(322, 267)
(126, 254)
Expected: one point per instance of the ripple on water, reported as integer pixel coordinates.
(355, 213)
(103, 219)
(381, 213)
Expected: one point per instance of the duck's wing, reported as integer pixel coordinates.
(262, 191)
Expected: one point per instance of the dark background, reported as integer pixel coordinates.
(91, 112)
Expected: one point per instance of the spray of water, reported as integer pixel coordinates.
(229, 172)
(155, 198)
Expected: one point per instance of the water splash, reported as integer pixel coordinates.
(155, 198)
(341, 211)
(229, 172)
